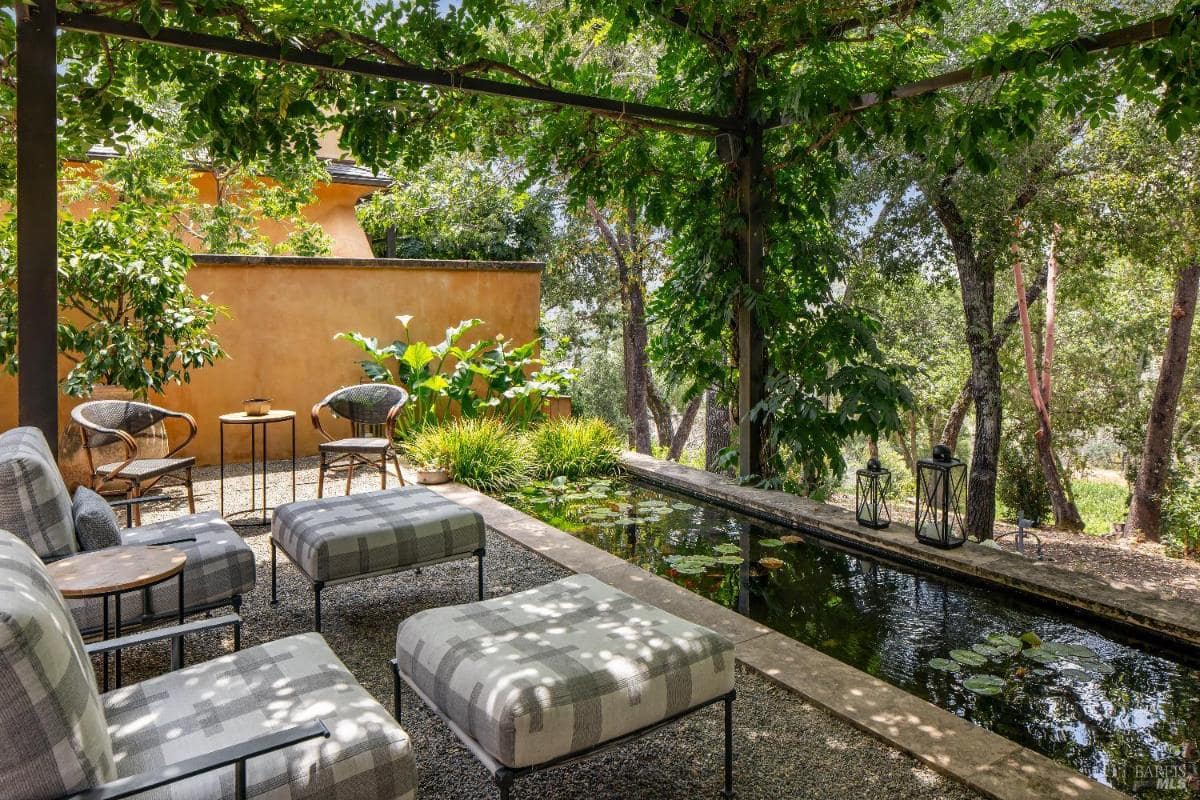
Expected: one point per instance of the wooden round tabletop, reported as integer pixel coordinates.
(115, 569)
(242, 418)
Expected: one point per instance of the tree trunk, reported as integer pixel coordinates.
(661, 412)
(684, 431)
(717, 427)
(1066, 515)
(634, 337)
(962, 403)
(978, 283)
(1145, 512)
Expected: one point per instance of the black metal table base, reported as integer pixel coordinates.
(254, 474)
(116, 625)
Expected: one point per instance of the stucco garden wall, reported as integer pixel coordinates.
(284, 311)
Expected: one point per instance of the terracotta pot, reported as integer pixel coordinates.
(73, 460)
(558, 407)
(432, 477)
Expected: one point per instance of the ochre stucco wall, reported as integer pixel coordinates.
(284, 313)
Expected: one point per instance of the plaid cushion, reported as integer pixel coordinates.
(219, 565)
(558, 669)
(54, 736)
(266, 688)
(96, 525)
(34, 502)
(346, 537)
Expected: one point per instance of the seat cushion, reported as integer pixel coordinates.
(219, 565)
(357, 445)
(96, 525)
(146, 468)
(34, 502)
(556, 670)
(260, 690)
(55, 740)
(336, 538)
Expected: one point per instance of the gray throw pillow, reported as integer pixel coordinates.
(96, 524)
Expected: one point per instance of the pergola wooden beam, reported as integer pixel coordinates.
(442, 79)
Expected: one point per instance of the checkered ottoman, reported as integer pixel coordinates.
(550, 675)
(336, 540)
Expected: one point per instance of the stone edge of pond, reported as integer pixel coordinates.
(983, 761)
(1163, 618)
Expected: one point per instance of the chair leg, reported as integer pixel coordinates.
(135, 491)
(383, 471)
(317, 587)
(274, 570)
(395, 691)
(480, 554)
(504, 781)
(191, 493)
(321, 477)
(399, 474)
(728, 792)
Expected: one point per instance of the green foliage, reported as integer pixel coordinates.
(128, 317)
(1021, 485)
(1181, 516)
(485, 454)
(1100, 503)
(459, 208)
(443, 380)
(575, 448)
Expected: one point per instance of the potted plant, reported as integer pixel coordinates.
(128, 322)
(432, 474)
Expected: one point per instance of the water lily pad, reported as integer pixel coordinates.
(682, 506)
(770, 543)
(1003, 640)
(1076, 674)
(771, 563)
(624, 521)
(1042, 672)
(728, 548)
(731, 561)
(1079, 651)
(984, 684)
(1096, 667)
(689, 568)
(968, 658)
(1032, 639)
(791, 538)
(1039, 655)
(985, 650)
(945, 665)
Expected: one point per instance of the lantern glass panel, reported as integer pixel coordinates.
(941, 501)
(870, 497)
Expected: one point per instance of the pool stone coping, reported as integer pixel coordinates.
(1133, 608)
(983, 761)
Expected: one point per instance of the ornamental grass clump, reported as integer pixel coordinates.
(485, 454)
(575, 448)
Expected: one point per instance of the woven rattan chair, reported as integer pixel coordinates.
(371, 409)
(106, 422)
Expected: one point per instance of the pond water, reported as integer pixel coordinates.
(1123, 713)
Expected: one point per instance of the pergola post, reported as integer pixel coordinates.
(752, 351)
(37, 217)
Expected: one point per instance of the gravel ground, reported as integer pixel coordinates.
(785, 747)
(1115, 557)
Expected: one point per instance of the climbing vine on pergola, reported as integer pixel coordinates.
(730, 147)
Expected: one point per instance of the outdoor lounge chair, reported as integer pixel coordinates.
(35, 505)
(105, 422)
(371, 409)
(281, 720)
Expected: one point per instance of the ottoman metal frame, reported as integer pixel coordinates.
(503, 776)
(319, 586)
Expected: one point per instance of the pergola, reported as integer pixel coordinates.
(740, 145)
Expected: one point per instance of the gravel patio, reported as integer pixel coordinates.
(785, 747)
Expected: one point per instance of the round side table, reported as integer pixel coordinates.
(256, 423)
(111, 572)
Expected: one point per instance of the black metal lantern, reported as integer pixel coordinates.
(941, 496)
(870, 496)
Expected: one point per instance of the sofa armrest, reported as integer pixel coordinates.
(235, 755)
(175, 632)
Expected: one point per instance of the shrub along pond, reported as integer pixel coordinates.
(1122, 713)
